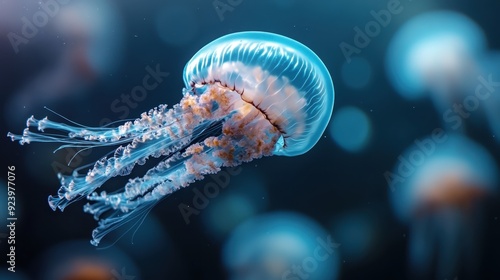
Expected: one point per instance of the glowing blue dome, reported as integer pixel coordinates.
(280, 76)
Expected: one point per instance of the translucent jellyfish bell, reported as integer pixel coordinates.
(280, 76)
(247, 95)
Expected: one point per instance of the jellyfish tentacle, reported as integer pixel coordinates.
(118, 219)
(156, 142)
(246, 135)
(77, 186)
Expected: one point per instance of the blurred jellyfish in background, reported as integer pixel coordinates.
(434, 52)
(439, 189)
(245, 197)
(78, 260)
(90, 34)
(93, 30)
(351, 129)
(439, 53)
(281, 245)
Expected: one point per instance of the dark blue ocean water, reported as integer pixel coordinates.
(86, 59)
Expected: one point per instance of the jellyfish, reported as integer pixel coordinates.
(435, 53)
(92, 32)
(281, 245)
(439, 54)
(443, 187)
(247, 95)
(74, 259)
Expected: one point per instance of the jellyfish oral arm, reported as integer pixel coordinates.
(245, 134)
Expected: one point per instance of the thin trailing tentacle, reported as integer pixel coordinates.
(210, 128)
(75, 187)
(157, 133)
(87, 136)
